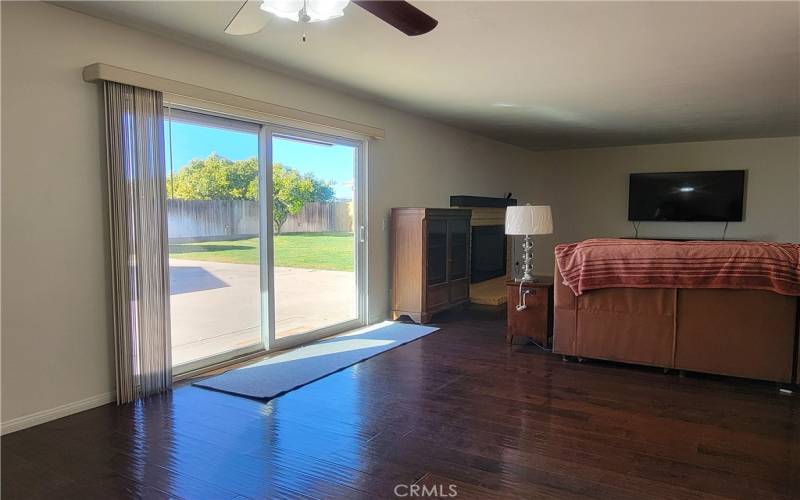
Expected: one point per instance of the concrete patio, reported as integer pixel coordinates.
(215, 306)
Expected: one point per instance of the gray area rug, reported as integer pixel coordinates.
(297, 367)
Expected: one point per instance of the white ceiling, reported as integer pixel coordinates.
(542, 75)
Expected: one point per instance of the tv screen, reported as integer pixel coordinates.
(687, 196)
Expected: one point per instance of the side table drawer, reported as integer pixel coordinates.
(533, 321)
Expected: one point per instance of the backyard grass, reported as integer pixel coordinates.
(330, 251)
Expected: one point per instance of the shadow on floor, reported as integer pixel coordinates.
(192, 279)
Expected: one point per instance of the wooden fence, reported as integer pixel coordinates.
(317, 217)
(195, 220)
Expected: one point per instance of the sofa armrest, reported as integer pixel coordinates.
(565, 316)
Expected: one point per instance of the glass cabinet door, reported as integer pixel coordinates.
(437, 251)
(458, 236)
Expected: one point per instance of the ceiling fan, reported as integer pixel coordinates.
(402, 15)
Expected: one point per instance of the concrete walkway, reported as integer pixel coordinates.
(215, 306)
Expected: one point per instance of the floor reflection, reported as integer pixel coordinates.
(457, 407)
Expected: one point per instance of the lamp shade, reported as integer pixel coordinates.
(529, 219)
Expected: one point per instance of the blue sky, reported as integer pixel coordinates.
(330, 163)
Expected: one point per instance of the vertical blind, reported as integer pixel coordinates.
(138, 229)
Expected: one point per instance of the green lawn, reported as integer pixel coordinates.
(332, 251)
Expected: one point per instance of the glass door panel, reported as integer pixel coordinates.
(437, 251)
(315, 236)
(458, 235)
(213, 225)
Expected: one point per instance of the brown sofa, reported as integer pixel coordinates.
(744, 333)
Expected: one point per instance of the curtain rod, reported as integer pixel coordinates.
(99, 71)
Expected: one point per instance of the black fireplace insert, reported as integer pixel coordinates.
(488, 252)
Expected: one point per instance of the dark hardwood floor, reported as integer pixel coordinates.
(457, 407)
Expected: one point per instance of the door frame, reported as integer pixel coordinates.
(268, 131)
(205, 117)
(270, 125)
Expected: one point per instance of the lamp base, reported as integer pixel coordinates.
(527, 269)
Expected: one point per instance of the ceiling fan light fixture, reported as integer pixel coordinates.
(399, 14)
(305, 10)
(286, 9)
(322, 10)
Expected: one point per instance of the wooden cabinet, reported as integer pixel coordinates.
(430, 261)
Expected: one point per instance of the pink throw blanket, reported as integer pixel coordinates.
(618, 263)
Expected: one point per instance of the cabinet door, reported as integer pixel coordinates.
(458, 247)
(436, 251)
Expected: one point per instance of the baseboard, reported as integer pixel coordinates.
(40, 417)
(378, 318)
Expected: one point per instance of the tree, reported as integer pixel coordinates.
(218, 178)
(291, 190)
(215, 178)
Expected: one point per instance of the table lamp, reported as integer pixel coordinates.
(528, 220)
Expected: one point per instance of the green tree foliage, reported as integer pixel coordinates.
(292, 190)
(218, 178)
(215, 178)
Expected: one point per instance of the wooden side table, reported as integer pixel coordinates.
(536, 321)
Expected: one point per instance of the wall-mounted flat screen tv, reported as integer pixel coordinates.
(687, 196)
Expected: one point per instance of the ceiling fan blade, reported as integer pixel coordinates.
(402, 15)
(248, 19)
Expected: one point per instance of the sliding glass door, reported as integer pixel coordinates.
(266, 247)
(316, 238)
(214, 227)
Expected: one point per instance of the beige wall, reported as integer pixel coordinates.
(56, 326)
(593, 187)
(588, 190)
